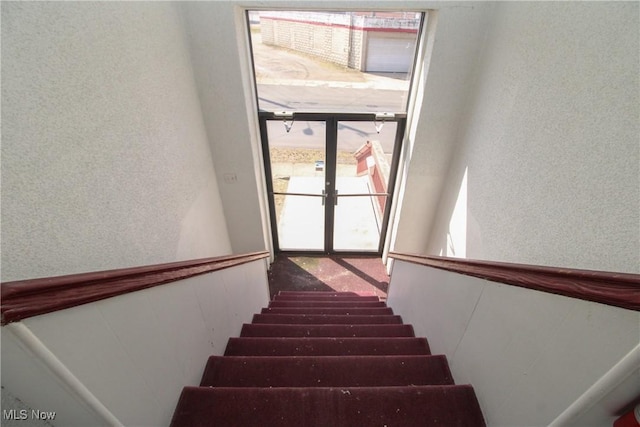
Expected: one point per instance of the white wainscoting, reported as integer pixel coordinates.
(528, 354)
(135, 352)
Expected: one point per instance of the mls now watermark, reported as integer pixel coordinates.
(24, 414)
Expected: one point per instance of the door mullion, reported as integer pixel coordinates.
(395, 161)
(269, 181)
(330, 181)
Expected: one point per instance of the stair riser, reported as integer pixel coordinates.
(451, 406)
(258, 330)
(339, 311)
(327, 293)
(326, 346)
(325, 298)
(324, 319)
(325, 371)
(326, 304)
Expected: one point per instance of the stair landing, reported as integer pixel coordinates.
(329, 273)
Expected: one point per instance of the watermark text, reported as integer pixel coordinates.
(26, 414)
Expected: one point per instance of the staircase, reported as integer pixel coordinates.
(327, 359)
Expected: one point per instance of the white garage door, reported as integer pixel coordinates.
(390, 55)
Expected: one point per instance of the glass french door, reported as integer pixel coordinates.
(330, 179)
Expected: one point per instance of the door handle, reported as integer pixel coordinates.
(324, 196)
(335, 198)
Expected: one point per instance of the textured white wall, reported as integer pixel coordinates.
(550, 143)
(219, 48)
(105, 157)
(528, 354)
(458, 35)
(135, 352)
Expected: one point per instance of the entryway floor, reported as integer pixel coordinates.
(360, 274)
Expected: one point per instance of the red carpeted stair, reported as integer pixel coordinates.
(327, 359)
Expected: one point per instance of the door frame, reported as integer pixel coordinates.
(331, 141)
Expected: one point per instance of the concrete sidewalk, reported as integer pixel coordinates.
(301, 223)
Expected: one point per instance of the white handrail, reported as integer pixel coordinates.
(612, 378)
(43, 354)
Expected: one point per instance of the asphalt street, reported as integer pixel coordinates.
(330, 98)
(351, 135)
(292, 81)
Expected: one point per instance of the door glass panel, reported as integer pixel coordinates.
(298, 172)
(333, 61)
(364, 159)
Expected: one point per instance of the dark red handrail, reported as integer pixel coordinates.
(616, 289)
(27, 298)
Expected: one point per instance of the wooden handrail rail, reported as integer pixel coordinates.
(26, 298)
(616, 289)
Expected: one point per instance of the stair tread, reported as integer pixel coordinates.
(328, 310)
(335, 371)
(443, 405)
(325, 346)
(326, 319)
(257, 330)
